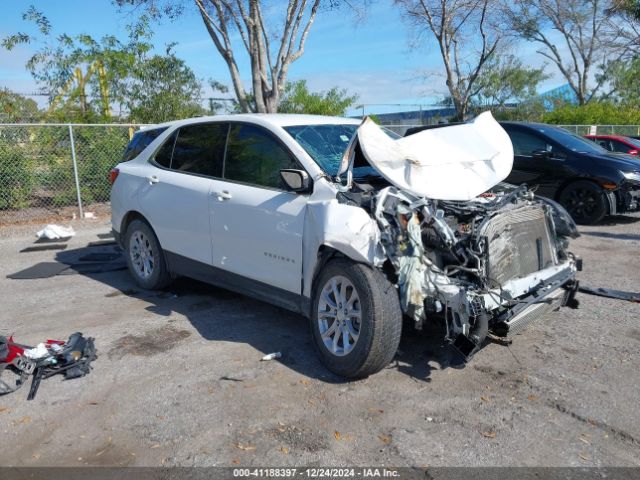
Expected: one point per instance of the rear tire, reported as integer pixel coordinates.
(356, 320)
(145, 257)
(585, 201)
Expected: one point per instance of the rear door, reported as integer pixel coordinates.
(257, 225)
(175, 198)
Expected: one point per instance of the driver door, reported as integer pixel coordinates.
(256, 224)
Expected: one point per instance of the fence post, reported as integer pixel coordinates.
(75, 171)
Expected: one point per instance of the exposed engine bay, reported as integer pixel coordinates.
(491, 263)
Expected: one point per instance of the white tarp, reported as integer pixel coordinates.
(458, 162)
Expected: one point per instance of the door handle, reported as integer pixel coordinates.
(153, 179)
(222, 196)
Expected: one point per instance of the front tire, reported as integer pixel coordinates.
(145, 257)
(356, 320)
(585, 201)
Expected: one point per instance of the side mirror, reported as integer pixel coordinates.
(541, 154)
(295, 180)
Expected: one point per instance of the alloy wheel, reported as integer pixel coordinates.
(141, 252)
(339, 315)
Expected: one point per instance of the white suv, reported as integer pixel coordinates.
(348, 224)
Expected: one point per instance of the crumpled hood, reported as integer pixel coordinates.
(449, 163)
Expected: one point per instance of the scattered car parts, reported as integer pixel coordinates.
(17, 362)
(611, 293)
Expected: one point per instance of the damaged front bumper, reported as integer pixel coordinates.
(490, 266)
(629, 200)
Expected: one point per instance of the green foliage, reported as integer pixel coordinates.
(298, 99)
(530, 111)
(16, 171)
(98, 150)
(85, 77)
(506, 79)
(628, 7)
(16, 108)
(624, 78)
(594, 113)
(163, 88)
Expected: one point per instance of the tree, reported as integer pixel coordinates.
(576, 35)
(594, 113)
(467, 35)
(163, 88)
(507, 79)
(298, 99)
(17, 108)
(82, 76)
(623, 77)
(85, 77)
(271, 47)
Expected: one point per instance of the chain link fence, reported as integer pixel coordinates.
(61, 171)
(57, 170)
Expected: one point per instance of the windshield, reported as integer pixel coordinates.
(573, 142)
(326, 145)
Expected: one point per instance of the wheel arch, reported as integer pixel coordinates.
(324, 255)
(610, 196)
(129, 217)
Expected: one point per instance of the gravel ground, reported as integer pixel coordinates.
(179, 381)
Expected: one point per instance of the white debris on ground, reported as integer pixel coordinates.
(54, 232)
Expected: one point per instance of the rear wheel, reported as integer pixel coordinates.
(356, 319)
(585, 202)
(145, 258)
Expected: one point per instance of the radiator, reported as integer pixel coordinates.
(519, 243)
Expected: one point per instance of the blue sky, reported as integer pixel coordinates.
(370, 58)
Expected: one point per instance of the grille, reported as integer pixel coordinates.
(519, 243)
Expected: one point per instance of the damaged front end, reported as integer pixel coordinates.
(478, 255)
(492, 264)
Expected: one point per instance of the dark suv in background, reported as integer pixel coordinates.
(589, 181)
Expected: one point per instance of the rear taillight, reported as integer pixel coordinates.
(113, 175)
(633, 152)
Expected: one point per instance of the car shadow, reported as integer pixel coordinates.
(617, 236)
(222, 315)
(611, 220)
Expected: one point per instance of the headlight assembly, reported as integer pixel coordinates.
(632, 176)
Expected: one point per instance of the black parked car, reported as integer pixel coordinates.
(589, 181)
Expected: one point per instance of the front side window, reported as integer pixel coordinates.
(255, 157)
(525, 144)
(571, 141)
(200, 149)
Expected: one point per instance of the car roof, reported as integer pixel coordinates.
(265, 119)
(529, 124)
(613, 137)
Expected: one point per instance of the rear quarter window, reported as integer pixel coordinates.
(140, 141)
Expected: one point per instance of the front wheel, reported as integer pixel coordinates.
(585, 201)
(356, 320)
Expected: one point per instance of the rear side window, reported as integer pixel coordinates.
(255, 157)
(200, 149)
(140, 141)
(163, 156)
